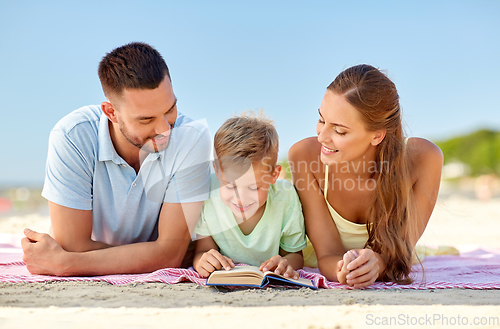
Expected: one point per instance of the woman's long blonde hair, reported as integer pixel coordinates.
(375, 96)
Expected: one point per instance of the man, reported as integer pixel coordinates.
(125, 182)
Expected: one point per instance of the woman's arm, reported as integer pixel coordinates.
(426, 163)
(306, 166)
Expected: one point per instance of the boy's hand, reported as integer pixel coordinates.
(279, 265)
(212, 260)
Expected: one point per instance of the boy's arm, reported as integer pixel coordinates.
(43, 255)
(207, 257)
(295, 259)
(203, 244)
(286, 264)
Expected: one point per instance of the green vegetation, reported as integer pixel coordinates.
(480, 150)
(285, 168)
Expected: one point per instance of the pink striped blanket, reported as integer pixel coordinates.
(473, 269)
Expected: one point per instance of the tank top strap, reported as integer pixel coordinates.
(325, 190)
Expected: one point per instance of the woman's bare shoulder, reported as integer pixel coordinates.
(421, 147)
(424, 154)
(306, 149)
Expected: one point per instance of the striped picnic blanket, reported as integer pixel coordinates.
(473, 269)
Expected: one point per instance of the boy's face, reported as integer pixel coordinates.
(246, 194)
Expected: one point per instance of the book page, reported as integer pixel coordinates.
(238, 275)
(251, 275)
(240, 271)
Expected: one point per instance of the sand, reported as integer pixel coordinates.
(458, 221)
(310, 317)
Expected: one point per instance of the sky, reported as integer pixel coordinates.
(229, 56)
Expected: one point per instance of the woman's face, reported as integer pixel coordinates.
(343, 135)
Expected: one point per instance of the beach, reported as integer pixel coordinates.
(459, 221)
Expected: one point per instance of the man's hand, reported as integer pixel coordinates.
(279, 265)
(42, 254)
(213, 260)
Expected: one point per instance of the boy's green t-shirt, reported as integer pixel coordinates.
(281, 225)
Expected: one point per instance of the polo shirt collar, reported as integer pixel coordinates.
(106, 149)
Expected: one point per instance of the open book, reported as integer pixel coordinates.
(253, 277)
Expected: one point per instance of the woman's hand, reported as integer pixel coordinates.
(213, 260)
(363, 270)
(343, 271)
(279, 265)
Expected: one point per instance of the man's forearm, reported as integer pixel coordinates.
(96, 245)
(127, 259)
(87, 246)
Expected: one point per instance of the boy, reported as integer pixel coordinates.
(254, 218)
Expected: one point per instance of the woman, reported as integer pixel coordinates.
(367, 192)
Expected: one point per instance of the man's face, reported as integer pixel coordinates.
(146, 116)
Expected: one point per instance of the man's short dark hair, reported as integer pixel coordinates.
(135, 65)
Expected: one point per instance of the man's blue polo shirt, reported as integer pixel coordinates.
(85, 172)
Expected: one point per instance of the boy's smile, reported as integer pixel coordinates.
(246, 195)
(243, 208)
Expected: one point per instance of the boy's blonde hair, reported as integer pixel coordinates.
(249, 138)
